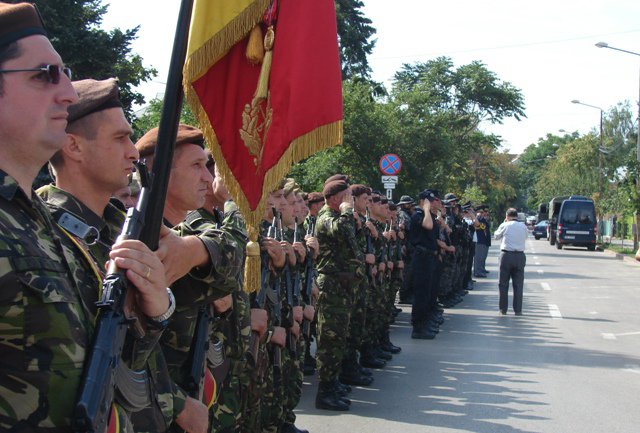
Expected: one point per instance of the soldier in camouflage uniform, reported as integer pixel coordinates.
(340, 267)
(395, 280)
(49, 286)
(202, 264)
(370, 355)
(98, 133)
(352, 372)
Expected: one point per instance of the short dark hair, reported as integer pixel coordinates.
(8, 52)
(512, 213)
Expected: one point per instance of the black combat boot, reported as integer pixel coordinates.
(369, 359)
(421, 332)
(388, 346)
(327, 399)
(287, 427)
(351, 376)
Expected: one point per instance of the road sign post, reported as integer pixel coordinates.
(390, 165)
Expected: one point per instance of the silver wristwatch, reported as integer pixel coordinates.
(164, 317)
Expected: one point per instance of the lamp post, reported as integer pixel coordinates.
(600, 151)
(606, 45)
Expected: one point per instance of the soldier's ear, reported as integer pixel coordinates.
(72, 149)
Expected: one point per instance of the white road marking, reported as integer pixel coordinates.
(537, 263)
(540, 271)
(593, 312)
(535, 257)
(608, 336)
(554, 311)
(545, 286)
(632, 370)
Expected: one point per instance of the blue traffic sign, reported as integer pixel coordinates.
(390, 164)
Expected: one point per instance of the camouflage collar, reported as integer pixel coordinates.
(58, 198)
(8, 186)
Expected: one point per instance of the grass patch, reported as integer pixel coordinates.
(620, 250)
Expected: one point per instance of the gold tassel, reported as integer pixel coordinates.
(255, 46)
(263, 81)
(252, 262)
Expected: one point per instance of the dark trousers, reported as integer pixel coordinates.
(511, 267)
(423, 276)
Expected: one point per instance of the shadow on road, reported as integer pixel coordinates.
(479, 373)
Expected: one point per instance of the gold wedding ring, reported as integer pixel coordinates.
(148, 274)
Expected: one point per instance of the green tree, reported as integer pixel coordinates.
(354, 32)
(74, 30)
(150, 117)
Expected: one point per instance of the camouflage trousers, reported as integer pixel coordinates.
(272, 404)
(251, 420)
(334, 315)
(227, 410)
(378, 310)
(358, 320)
(448, 274)
(293, 382)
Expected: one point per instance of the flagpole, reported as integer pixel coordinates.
(168, 128)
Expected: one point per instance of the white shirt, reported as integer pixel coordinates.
(513, 235)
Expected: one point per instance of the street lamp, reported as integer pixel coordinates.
(606, 45)
(600, 151)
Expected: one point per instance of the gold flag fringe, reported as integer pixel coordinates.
(217, 46)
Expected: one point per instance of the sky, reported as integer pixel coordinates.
(544, 48)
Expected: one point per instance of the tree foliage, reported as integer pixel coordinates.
(74, 30)
(354, 32)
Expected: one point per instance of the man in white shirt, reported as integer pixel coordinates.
(512, 260)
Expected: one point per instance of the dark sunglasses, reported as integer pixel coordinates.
(52, 72)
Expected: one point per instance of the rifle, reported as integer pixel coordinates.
(104, 362)
(287, 312)
(201, 342)
(261, 297)
(308, 281)
(274, 297)
(369, 241)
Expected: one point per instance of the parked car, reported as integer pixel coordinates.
(541, 230)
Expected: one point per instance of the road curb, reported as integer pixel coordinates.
(624, 257)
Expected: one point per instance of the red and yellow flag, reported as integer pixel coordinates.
(256, 136)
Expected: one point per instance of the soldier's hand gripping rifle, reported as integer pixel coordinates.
(287, 311)
(261, 298)
(308, 279)
(105, 374)
(369, 250)
(201, 343)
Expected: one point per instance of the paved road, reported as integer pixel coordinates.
(570, 364)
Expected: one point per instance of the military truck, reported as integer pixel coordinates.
(554, 211)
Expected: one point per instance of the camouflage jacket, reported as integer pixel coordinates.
(47, 296)
(200, 286)
(108, 228)
(339, 250)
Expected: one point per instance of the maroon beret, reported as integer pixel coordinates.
(343, 177)
(18, 21)
(94, 96)
(359, 189)
(315, 197)
(334, 187)
(186, 135)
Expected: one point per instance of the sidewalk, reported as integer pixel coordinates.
(626, 243)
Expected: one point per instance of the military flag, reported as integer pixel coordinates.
(263, 78)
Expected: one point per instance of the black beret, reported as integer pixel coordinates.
(94, 96)
(429, 194)
(18, 21)
(337, 177)
(315, 197)
(186, 135)
(334, 187)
